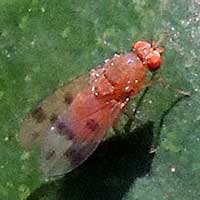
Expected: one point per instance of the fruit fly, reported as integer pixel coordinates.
(69, 125)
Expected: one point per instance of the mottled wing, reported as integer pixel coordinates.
(50, 128)
(34, 128)
(45, 113)
(69, 142)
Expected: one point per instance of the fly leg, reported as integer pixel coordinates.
(167, 85)
(131, 118)
(132, 114)
(127, 127)
(153, 80)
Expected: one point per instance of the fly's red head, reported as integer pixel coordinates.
(149, 52)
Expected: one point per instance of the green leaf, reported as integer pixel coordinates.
(43, 44)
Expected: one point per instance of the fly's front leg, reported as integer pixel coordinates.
(167, 85)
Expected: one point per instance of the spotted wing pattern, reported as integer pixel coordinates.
(67, 127)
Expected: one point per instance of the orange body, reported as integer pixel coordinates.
(74, 133)
(100, 103)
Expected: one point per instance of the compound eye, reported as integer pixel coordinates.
(142, 45)
(154, 60)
